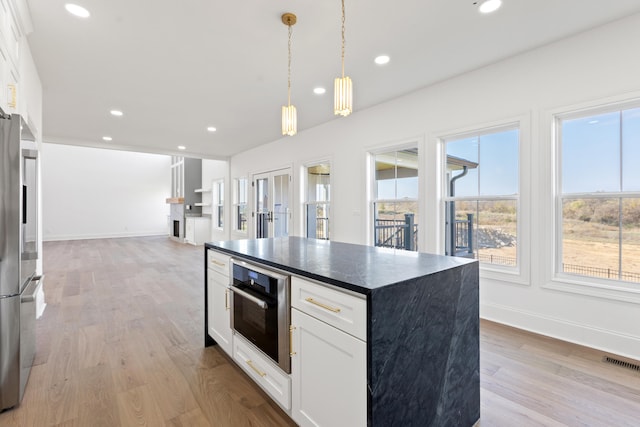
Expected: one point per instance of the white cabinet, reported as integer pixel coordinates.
(264, 372)
(329, 367)
(218, 262)
(218, 300)
(337, 308)
(197, 230)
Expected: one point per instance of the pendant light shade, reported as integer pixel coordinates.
(343, 99)
(289, 113)
(343, 88)
(289, 120)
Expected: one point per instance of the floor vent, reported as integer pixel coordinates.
(624, 364)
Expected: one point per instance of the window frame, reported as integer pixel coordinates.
(237, 203)
(218, 202)
(521, 274)
(305, 195)
(415, 143)
(560, 280)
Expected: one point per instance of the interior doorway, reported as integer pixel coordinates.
(273, 193)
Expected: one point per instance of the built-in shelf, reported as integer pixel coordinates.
(202, 204)
(175, 200)
(202, 190)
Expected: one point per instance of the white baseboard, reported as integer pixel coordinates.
(589, 336)
(103, 236)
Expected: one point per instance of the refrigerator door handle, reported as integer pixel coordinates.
(29, 294)
(24, 204)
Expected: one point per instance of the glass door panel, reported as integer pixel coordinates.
(273, 195)
(281, 205)
(262, 207)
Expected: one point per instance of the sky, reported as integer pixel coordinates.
(592, 148)
(497, 155)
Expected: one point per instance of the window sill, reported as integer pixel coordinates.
(513, 276)
(615, 291)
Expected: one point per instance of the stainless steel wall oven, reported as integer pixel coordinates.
(260, 309)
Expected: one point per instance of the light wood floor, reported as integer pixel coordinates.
(121, 344)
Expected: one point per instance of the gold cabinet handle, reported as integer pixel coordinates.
(291, 329)
(226, 300)
(218, 263)
(256, 370)
(319, 304)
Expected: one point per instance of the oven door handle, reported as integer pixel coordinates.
(243, 294)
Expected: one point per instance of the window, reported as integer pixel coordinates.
(318, 196)
(240, 204)
(219, 202)
(395, 205)
(598, 209)
(482, 201)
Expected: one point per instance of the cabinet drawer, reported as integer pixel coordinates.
(344, 311)
(218, 262)
(272, 380)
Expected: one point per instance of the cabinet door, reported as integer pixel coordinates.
(189, 231)
(219, 310)
(328, 373)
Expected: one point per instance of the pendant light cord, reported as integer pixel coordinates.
(343, 19)
(289, 68)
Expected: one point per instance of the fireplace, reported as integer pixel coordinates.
(176, 222)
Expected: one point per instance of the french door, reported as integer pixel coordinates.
(272, 192)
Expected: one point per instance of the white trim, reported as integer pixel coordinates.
(480, 198)
(480, 129)
(405, 144)
(593, 108)
(602, 195)
(602, 339)
(216, 203)
(485, 130)
(521, 274)
(269, 175)
(235, 199)
(304, 174)
(65, 237)
(593, 286)
(555, 278)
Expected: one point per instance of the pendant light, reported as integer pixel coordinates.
(343, 93)
(289, 114)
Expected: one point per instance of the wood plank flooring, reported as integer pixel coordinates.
(121, 344)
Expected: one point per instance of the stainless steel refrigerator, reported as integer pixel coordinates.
(18, 255)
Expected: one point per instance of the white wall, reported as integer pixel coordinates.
(595, 67)
(96, 193)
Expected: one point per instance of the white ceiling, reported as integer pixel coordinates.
(176, 67)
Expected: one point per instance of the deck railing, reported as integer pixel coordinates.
(605, 273)
(397, 233)
(464, 235)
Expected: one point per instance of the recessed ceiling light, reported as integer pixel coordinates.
(593, 122)
(211, 129)
(116, 113)
(76, 10)
(382, 59)
(181, 147)
(488, 6)
(107, 138)
(319, 90)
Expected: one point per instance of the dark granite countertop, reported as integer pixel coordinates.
(355, 267)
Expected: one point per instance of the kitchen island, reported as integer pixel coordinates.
(420, 331)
